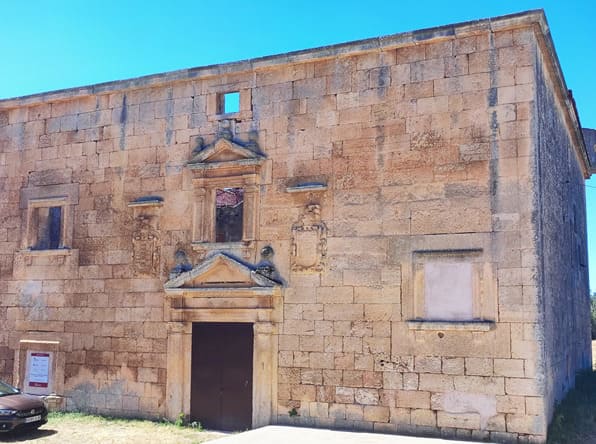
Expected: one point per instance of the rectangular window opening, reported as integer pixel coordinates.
(229, 206)
(229, 102)
(49, 228)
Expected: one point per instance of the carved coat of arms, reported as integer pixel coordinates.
(309, 241)
(145, 244)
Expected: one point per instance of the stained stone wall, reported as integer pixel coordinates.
(380, 157)
(561, 247)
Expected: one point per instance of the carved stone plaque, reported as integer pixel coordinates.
(145, 245)
(309, 241)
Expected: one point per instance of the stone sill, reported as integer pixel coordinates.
(238, 115)
(222, 291)
(220, 245)
(302, 188)
(243, 249)
(451, 325)
(145, 203)
(49, 252)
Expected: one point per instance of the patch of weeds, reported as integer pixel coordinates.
(574, 420)
(292, 413)
(79, 417)
(180, 420)
(196, 425)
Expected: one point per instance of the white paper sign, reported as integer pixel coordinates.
(39, 369)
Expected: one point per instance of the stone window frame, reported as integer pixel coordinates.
(204, 229)
(483, 310)
(215, 108)
(222, 102)
(66, 226)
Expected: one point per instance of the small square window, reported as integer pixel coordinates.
(229, 102)
(229, 213)
(48, 228)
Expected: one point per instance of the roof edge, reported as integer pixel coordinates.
(358, 46)
(544, 38)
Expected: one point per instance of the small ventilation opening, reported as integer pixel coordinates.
(229, 102)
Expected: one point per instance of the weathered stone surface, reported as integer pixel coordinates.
(369, 171)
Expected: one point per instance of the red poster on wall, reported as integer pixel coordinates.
(39, 369)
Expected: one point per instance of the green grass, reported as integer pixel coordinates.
(57, 417)
(574, 421)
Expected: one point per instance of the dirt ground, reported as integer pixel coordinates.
(71, 429)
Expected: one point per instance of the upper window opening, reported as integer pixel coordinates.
(48, 221)
(229, 206)
(229, 102)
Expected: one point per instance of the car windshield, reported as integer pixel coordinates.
(7, 389)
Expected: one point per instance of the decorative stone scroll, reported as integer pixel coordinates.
(309, 241)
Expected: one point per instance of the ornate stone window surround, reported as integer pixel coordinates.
(225, 164)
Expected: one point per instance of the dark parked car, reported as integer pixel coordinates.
(20, 410)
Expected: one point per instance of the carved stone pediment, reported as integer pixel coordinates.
(222, 270)
(225, 152)
(224, 287)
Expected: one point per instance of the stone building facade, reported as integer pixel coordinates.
(384, 235)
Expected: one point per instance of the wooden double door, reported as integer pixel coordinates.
(221, 376)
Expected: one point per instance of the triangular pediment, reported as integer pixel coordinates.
(225, 151)
(221, 270)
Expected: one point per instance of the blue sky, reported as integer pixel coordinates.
(48, 45)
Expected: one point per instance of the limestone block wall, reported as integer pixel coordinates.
(561, 268)
(451, 172)
(98, 153)
(425, 153)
